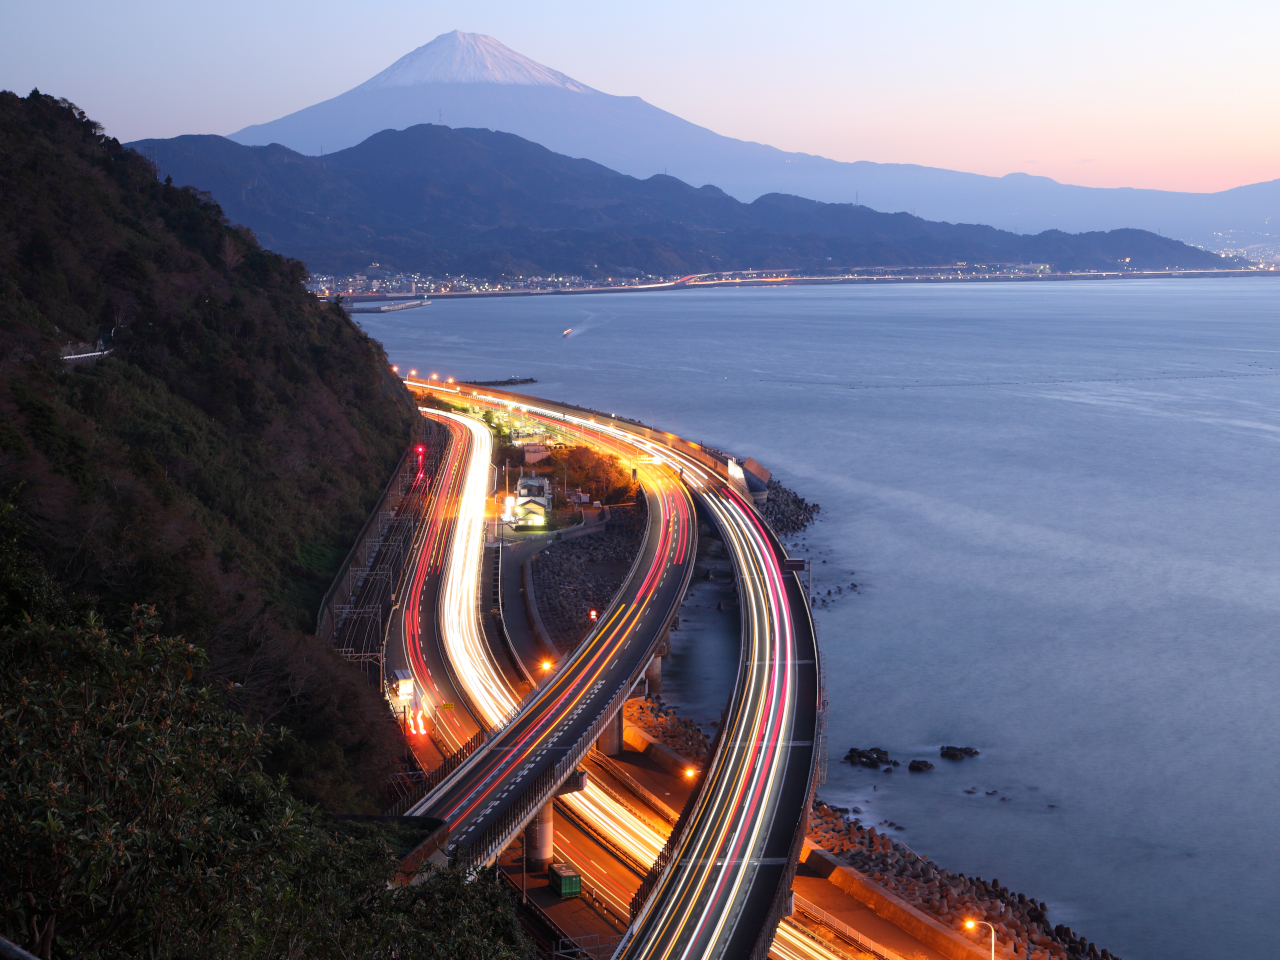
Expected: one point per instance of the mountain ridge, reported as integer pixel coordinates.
(432, 199)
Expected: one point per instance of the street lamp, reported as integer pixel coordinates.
(971, 924)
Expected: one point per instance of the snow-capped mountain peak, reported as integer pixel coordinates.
(459, 57)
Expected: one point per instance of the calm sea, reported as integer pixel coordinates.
(1059, 504)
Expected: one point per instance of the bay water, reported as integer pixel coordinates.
(1059, 505)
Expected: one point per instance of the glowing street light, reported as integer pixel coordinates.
(413, 373)
(593, 616)
(546, 664)
(689, 772)
(972, 924)
(395, 369)
(434, 377)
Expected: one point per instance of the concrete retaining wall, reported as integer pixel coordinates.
(531, 608)
(659, 753)
(932, 933)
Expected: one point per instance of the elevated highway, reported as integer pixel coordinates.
(721, 884)
(491, 797)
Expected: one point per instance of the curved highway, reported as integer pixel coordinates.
(558, 721)
(414, 625)
(720, 894)
(721, 890)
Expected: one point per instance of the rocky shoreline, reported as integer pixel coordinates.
(661, 722)
(787, 512)
(1021, 923)
(568, 582)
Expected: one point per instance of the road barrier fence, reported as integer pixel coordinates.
(429, 781)
(858, 939)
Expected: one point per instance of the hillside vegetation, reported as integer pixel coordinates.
(436, 200)
(218, 463)
(137, 820)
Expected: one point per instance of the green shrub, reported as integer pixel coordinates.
(137, 822)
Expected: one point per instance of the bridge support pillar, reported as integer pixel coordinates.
(653, 674)
(610, 742)
(539, 839)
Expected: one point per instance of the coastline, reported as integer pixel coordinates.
(798, 281)
(1115, 854)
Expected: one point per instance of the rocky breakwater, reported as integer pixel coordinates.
(661, 722)
(573, 577)
(787, 512)
(1021, 923)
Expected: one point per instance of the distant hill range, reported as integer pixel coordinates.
(470, 80)
(435, 200)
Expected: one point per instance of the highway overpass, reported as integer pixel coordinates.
(722, 882)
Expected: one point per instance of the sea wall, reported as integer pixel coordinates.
(897, 911)
(659, 753)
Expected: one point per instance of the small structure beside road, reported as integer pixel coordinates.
(533, 500)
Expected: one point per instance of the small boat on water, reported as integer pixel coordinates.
(567, 332)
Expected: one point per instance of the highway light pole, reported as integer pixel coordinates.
(970, 924)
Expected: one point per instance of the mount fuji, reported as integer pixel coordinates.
(471, 80)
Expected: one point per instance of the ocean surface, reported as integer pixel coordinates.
(1060, 505)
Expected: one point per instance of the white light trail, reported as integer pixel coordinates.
(464, 641)
(790, 943)
(473, 661)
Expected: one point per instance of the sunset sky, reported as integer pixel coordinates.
(1176, 96)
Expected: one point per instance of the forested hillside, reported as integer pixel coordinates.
(218, 462)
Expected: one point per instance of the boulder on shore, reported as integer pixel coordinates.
(872, 759)
(958, 753)
(919, 766)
